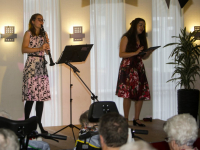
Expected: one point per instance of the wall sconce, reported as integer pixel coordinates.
(197, 30)
(77, 33)
(9, 34)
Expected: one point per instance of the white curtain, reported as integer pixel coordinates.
(107, 24)
(165, 24)
(50, 9)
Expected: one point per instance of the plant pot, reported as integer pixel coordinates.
(188, 101)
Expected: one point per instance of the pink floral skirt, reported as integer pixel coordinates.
(132, 82)
(35, 80)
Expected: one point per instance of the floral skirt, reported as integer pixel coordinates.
(35, 80)
(132, 82)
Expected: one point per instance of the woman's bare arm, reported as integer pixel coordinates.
(122, 51)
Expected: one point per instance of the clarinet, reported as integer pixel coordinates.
(45, 41)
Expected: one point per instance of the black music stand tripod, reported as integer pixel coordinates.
(74, 53)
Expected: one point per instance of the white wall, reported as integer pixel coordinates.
(11, 59)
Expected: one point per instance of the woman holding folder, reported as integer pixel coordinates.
(132, 83)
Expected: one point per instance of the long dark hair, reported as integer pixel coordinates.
(131, 35)
(31, 26)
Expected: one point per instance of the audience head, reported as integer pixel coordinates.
(113, 130)
(137, 145)
(85, 123)
(8, 140)
(84, 119)
(181, 130)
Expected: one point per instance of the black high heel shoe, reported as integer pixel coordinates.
(41, 128)
(135, 123)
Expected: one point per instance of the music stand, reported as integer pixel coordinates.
(75, 53)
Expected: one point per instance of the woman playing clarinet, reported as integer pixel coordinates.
(35, 76)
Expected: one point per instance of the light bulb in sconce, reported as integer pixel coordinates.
(9, 34)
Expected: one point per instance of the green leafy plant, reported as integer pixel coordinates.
(186, 59)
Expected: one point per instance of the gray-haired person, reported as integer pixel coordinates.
(182, 132)
(8, 140)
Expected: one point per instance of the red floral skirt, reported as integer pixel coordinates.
(132, 81)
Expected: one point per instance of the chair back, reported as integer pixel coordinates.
(22, 128)
(97, 109)
(19, 126)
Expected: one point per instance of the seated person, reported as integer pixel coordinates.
(113, 131)
(88, 135)
(181, 131)
(138, 145)
(85, 124)
(8, 140)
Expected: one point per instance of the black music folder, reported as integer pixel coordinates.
(74, 53)
(146, 50)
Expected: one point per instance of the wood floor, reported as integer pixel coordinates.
(155, 134)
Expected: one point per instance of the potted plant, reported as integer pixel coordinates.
(186, 64)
